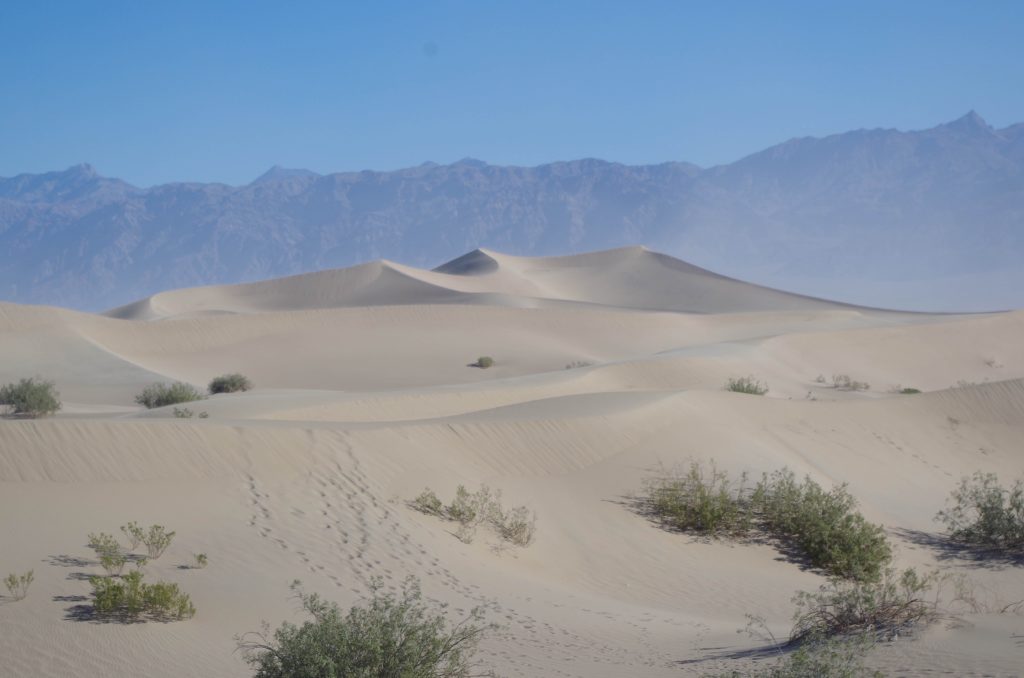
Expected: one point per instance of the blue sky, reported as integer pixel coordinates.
(220, 91)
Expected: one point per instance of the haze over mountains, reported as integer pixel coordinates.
(928, 220)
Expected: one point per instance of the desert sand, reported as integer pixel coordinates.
(365, 395)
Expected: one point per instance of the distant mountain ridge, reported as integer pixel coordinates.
(925, 219)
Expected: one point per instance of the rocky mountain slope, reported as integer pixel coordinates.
(930, 219)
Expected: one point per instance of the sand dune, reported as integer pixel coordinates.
(633, 278)
(364, 395)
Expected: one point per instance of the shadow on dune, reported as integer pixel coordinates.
(68, 561)
(946, 549)
(788, 552)
(715, 654)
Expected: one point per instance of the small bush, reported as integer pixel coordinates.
(880, 609)
(200, 560)
(472, 509)
(161, 395)
(821, 658)
(823, 525)
(391, 635)
(113, 563)
(182, 413)
(746, 385)
(157, 540)
(517, 526)
(843, 382)
(31, 397)
(133, 533)
(483, 362)
(909, 391)
(204, 415)
(18, 584)
(104, 544)
(705, 502)
(427, 502)
(981, 511)
(130, 598)
(230, 383)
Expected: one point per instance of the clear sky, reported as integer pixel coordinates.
(220, 91)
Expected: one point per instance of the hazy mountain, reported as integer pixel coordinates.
(932, 219)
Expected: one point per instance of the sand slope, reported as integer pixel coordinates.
(364, 396)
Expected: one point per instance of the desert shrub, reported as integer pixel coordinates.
(113, 563)
(472, 509)
(822, 658)
(701, 501)
(200, 560)
(397, 635)
(516, 526)
(157, 539)
(576, 364)
(18, 584)
(133, 533)
(104, 544)
(161, 395)
(204, 415)
(843, 382)
(484, 362)
(880, 609)
(983, 512)
(130, 598)
(183, 413)
(746, 385)
(824, 525)
(427, 502)
(230, 383)
(32, 397)
(909, 391)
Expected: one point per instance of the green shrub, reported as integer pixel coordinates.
(200, 560)
(130, 598)
(516, 526)
(133, 533)
(880, 609)
(104, 544)
(392, 635)
(427, 502)
(18, 584)
(981, 511)
(909, 391)
(230, 383)
(484, 362)
(113, 563)
(161, 395)
(472, 509)
(824, 525)
(157, 539)
(746, 385)
(705, 502)
(31, 397)
(843, 382)
(183, 413)
(822, 658)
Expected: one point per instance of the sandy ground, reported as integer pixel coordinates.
(365, 396)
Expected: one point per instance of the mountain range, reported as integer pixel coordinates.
(929, 220)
